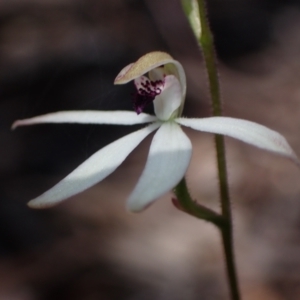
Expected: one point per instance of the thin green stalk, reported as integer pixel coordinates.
(187, 204)
(195, 11)
(230, 262)
(207, 46)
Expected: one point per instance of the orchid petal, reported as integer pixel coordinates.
(122, 73)
(146, 92)
(88, 117)
(169, 100)
(149, 62)
(93, 170)
(246, 131)
(143, 65)
(168, 159)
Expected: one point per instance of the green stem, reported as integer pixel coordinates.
(196, 13)
(195, 209)
(207, 46)
(230, 262)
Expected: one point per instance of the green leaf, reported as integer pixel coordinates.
(191, 9)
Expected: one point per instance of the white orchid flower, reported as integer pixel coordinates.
(170, 152)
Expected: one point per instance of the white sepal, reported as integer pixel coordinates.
(88, 117)
(246, 131)
(93, 170)
(168, 159)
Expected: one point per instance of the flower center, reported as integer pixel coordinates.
(146, 92)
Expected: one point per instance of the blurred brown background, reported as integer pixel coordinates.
(63, 55)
